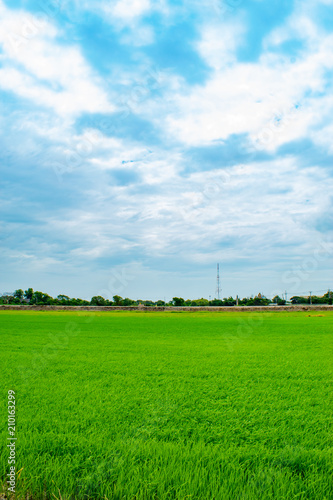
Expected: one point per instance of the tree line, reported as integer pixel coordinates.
(32, 297)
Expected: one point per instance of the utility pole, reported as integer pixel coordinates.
(285, 295)
(310, 298)
(236, 300)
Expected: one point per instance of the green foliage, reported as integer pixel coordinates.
(98, 301)
(200, 302)
(63, 299)
(9, 299)
(79, 302)
(41, 298)
(128, 302)
(148, 303)
(178, 301)
(256, 301)
(299, 300)
(278, 301)
(117, 300)
(166, 406)
(19, 294)
(216, 302)
(229, 302)
(28, 294)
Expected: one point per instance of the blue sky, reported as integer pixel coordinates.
(144, 141)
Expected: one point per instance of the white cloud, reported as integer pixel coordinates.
(127, 17)
(246, 99)
(264, 212)
(219, 42)
(298, 26)
(129, 13)
(35, 67)
(323, 135)
(269, 205)
(127, 10)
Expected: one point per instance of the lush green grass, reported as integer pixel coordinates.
(170, 405)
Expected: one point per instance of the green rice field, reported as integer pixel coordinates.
(169, 405)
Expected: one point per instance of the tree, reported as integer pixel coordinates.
(117, 300)
(317, 300)
(299, 300)
(7, 299)
(277, 300)
(178, 301)
(216, 302)
(259, 300)
(29, 294)
(47, 299)
(38, 297)
(200, 302)
(41, 298)
(229, 302)
(128, 302)
(97, 300)
(63, 298)
(327, 298)
(18, 294)
(79, 302)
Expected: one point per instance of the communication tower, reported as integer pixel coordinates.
(218, 287)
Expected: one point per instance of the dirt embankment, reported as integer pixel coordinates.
(300, 307)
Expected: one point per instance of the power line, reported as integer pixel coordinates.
(306, 293)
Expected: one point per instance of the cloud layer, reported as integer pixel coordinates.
(144, 142)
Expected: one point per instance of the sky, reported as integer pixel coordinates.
(145, 141)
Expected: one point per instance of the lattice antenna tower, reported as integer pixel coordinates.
(218, 287)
